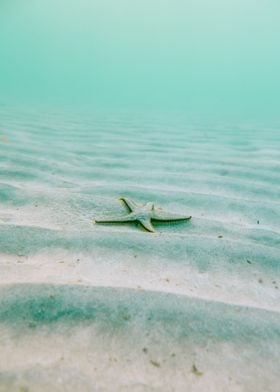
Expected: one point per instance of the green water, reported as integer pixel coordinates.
(216, 58)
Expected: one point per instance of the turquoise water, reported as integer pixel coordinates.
(204, 57)
(170, 102)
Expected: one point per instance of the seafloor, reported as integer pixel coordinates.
(84, 307)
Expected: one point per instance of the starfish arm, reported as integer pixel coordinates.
(147, 224)
(116, 219)
(168, 217)
(129, 203)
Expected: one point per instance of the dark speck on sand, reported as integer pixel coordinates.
(154, 363)
(196, 371)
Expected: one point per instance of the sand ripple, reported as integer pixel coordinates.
(210, 286)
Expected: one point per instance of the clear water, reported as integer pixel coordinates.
(203, 57)
(170, 102)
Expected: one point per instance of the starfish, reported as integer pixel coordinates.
(144, 214)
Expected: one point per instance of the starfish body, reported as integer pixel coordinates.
(144, 214)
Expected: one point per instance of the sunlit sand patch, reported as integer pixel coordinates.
(256, 288)
(100, 336)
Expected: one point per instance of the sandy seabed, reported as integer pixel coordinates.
(84, 307)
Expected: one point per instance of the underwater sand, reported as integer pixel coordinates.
(88, 307)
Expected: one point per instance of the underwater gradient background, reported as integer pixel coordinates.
(175, 102)
(205, 57)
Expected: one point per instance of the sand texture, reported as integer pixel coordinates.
(88, 307)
